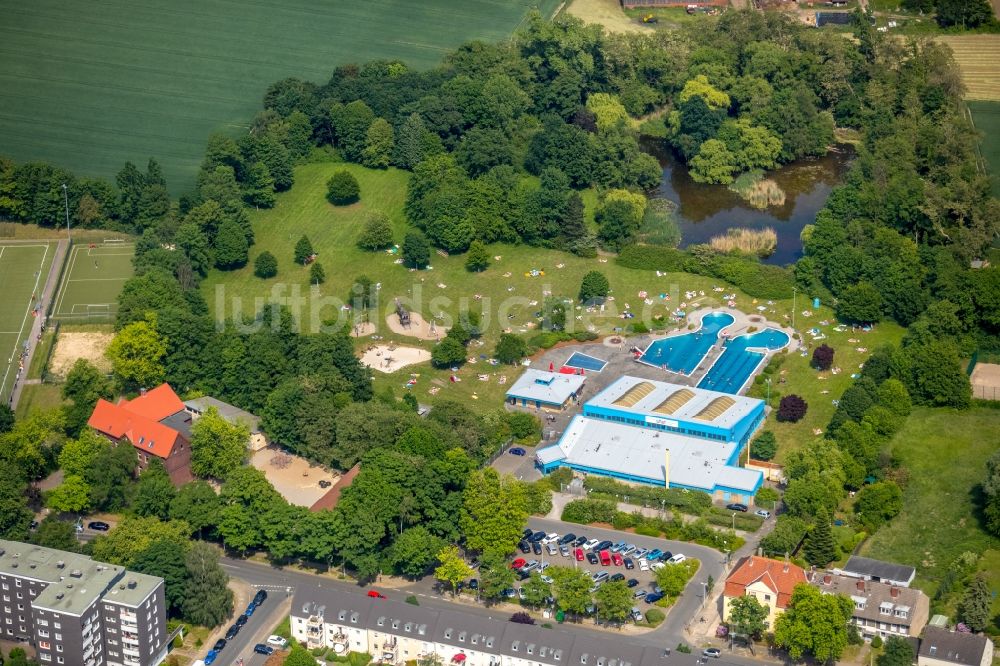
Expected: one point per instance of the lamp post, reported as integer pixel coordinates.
(768, 382)
(795, 292)
(66, 202)
(734, 521)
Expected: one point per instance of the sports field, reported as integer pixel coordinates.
(88, 85)
(23, 270)
(986, 116)
(95, 273)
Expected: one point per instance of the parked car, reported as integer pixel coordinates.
(251, 607)
(527, 532)
(605, 558)
(636, 614)
(543, 566)
(652, 555)
(210, 657)
(242, 620)
(537, 536)
(643, 565)
(656, 566)
(580, 540)
(564, 550)
(567, 538)
(375, 594)
(629, 564)
(232, 631)
(711, 652)
(552, 549)
(640, 593)
(604, 545)
(736, 506)
(628, 549)
(617, 577)
(509, 593)
(530, 566)
(277, 641)
(590, 544)
(639, 553)
(260, 648)
(600, 576)
(618, 547)
(473, 583)
(260, 597)
(536, 548)
(546, 579)
(524, 546)
(551, 537)
(219, 645)
(763, 513)
(518, 563)
(98, 525)
(578, 554)
(517, 451)
(677, 559)
(616, 558)
(653, 597)
(632, 582)
(592, 558)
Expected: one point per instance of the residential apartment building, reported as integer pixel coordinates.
(394, 632)
(880, 609)
(79, 612)
(940, 647)
(770, 581)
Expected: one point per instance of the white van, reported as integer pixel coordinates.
(677, 559)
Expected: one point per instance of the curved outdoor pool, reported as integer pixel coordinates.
(738, 362)
(683, 353)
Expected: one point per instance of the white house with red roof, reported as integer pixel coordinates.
(155, 423)
(770, 581)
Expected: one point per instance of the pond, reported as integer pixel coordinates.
(704, 211)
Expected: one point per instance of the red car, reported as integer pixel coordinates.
(578, 554)
(617, 559)
(375, 594)
(605, 557)
(518, 563)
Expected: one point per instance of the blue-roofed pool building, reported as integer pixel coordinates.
(646, 431)
(550, 391)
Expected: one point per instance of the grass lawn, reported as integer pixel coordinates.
(986, 116)
(38, 398)
(91, 85)
(945, 452)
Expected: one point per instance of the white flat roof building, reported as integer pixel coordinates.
(537, 388)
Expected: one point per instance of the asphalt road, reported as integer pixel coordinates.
(257, 628)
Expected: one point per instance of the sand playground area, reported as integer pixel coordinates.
(362, 329)
(71, 345)
(418, 327)
(389, 358)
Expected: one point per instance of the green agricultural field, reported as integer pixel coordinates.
(986, 115)
(510, 302)
(24, 268)
(89, 85)
(945, 452)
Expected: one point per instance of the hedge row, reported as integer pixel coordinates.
(756, 279)
(686, 501)
(744, 521)
(589, 511)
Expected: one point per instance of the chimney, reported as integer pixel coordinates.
(131, 584)
(861, 585)
(785, 568)
(827, 579)
(894, 592)
(142, 391)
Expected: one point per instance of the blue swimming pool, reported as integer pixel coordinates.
(683, 353)
(585, 361)
(736, 365)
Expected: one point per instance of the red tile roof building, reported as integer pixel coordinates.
(157, 426)
(771, 581)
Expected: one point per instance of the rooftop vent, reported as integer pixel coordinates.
(422, 629)
(76, 573)
(59, 565)
(343, 614)
(380, 622)
(59, 595)
(69, 586)
(354, 617)
(132, 584)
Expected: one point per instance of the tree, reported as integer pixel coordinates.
(413, 551)
(974, 608)
(217, 446)
(350, 124)
(673, 578)
(572, 589)
(316, 273)
(447, 353)
(299, 656)
(377, 153)
(699, 86)
(936, 376)
(166, 559)
(878, 503)
(535, 590)
(15, 516)
(258, 187)
(194, 243)
(7, 417)
(764, 446)
(197, 504)
(207, 601)
(265, 265)
(154, 492)
(820, 548)
(416, 250)
(860, 303)
(55, 533)
(897, 652)
(342, 188)
(991, 493)
(714, 163)
(136, 355)
(792, 408)
(231, 246)
(607, 109)
(965, 13)
(70, 496)
(594, 288)
(494, 512)
(411, 146)
(84, 385)
(510, 349)
(892, 395)
(822, 358)
(478, 259)
(303, 250)
(747, 616)
(453, 568)
(814, 623)
(495, 576)
(377, 234)
(613, 601)
(133, 535)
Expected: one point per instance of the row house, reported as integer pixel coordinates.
(880, 609)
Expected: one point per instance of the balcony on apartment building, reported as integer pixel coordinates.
(388, 651)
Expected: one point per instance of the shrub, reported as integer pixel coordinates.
(178, 641)
(876, 642)
(639, 328)
(589, 511)
(682, 647)
(653, 258)
(561, 476)
(316, 274)
(265, 265)
(648, 530)
(594, 288)
(791, 409)
(412, 600)
(377, 234)
(822, 358)
(522, 618)
(764, 446)
(584, 336)
(767, 494)
(654, 616)
(342, 189)
(478, 259)
(416, 250)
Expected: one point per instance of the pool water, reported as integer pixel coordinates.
(737, 364)
(683, 353)
(585, 361)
